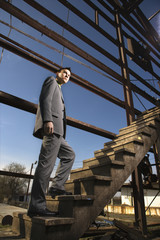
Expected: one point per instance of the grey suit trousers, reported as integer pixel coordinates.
(52, 147)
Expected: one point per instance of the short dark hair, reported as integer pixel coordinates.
(61, 68)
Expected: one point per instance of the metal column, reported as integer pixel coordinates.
(139, 206)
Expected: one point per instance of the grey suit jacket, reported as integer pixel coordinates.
(50, 108)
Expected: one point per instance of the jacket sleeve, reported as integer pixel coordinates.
(45, 99)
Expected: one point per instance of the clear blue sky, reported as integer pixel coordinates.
(24, 79)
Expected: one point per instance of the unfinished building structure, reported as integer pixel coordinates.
(134, 40)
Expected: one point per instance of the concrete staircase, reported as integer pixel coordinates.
(94, 184)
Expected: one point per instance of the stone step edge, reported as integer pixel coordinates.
(153, 109)
(114, 144)
(137, 127)
(131, 134)
(123, 142)
(148, 112)
(148, 119)
(71, 197)
(109, 162)
(124, 150)
(130, 129)
(109, 154)
(147, 115)
(94, 178)
(139, 123)
(47, 221)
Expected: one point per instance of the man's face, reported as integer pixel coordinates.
(63, 76)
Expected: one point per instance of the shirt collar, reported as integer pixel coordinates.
(58, 84)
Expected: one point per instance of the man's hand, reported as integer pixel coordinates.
(48, 128)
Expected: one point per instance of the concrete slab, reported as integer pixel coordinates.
(6, 209)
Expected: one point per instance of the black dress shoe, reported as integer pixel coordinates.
(53, 192)
(42, 212)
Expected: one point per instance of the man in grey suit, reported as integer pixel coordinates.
(51, 127)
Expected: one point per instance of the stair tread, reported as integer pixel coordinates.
(148, 116)
(153, 109)
(131, 136)
(51, 221)
(94, 177)
(140, 122)
(71, 197)
(113, 152)
(108, 162)
(148, 113)
(81, 211)
(47, 221)
(119, 142)
(136, 129)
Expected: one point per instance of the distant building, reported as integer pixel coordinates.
(149, 195)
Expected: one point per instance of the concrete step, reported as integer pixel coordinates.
(94, 184)
(138, 127)
(137, 133)
(124, 142)
(146, 118)
(39, 228)
(107, 156)
(69, 204)
(149, 112)
(87, 185)
(101, 158)
(103, 169)
(117, 145)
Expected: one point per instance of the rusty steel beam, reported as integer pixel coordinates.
(96, 17)
(21, 15)
(51, 66)
(76, 11)
(19, 175)
(139, 37)
(74, 78)
(90, 128)
(89, 21)
(27, 49)
(151, 58)
(131, 21)
(125, 73)
(144, 94)
(138, 62)
(92, 5)
(15, 174)
(147, 25)
(138, 195)
(56, 37)
(85, 18)
(28, 56)
(144, 82)
(32, 108)
(74, 31)
(16, 102)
